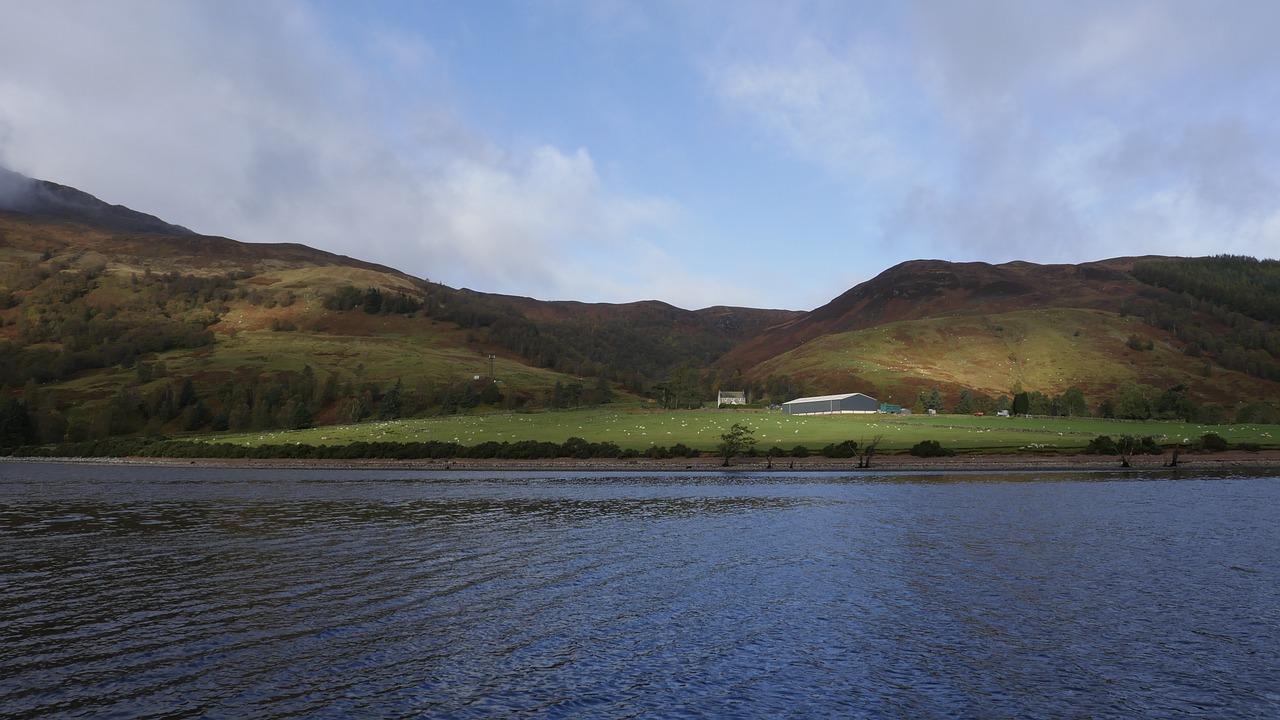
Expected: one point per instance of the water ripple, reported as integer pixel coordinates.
(147, 593)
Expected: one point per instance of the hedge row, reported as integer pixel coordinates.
(435, 450)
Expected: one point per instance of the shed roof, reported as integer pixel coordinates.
(827, 398)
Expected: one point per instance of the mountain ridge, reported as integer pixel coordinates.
(920, 289)
(83, 303)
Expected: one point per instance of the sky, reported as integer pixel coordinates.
(698, 152)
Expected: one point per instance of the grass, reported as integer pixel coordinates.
(639, 429)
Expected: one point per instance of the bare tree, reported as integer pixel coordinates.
(864, 451)
(1126, 445)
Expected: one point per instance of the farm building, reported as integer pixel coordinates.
(729, 397)
(832, 404)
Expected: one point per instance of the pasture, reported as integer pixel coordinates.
(639, 429)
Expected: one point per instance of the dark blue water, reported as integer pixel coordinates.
(153, 592)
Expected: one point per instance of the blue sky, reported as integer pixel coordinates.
(766, 154)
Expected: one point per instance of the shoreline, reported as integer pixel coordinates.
(1229, 460)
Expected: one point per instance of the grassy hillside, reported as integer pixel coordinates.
(1049, 350)
(923, 289)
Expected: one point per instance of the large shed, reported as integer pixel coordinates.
(832, 404)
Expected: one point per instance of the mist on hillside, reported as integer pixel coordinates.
(19, 193)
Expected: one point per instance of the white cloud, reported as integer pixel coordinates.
(816, 103)
(540, 222)
(992, 130)
(1003, 130)
(827, 101)
(254, 121)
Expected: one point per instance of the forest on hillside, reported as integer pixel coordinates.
(1225, 307)
(68, 320)
(635, 350)
(1237, 284)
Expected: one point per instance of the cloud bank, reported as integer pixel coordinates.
(252, 120)
(699, 154)
(1053, 132)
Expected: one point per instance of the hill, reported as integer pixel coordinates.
(114, 322)
(990, 330)
(922, 289)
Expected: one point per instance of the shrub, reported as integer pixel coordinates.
(682, 450)
(931, 448)
(1213, 442)
(657, 452)
(1148, 446)
(844, 449)
(1101, 445)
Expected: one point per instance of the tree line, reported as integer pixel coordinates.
(573, 447)
(155, 404)
(1131, 401)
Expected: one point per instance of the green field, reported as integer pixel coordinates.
(701, 429)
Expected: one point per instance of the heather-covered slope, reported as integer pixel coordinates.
(990, 329)
(921, 289)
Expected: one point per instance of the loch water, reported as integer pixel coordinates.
(139, 591)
